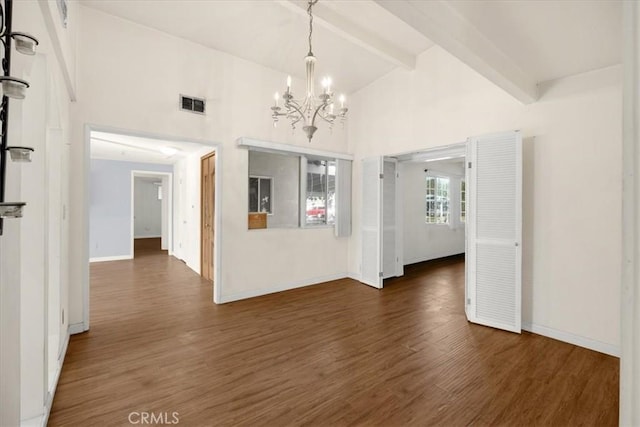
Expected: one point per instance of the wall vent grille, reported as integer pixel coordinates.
(192, 104)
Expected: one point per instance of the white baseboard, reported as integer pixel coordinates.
(147, 237)
(43, 419)
(77, 328)
(33, 422)
(580, 341)
(52, 392)
(354, 276)
(279, 288)
(110, 258)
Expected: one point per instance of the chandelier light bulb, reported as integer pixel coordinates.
(276, 97)
(342, 100)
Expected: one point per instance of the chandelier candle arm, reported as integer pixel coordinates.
(310, 107)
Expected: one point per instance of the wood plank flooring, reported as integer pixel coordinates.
(338, 353)
(147, 246)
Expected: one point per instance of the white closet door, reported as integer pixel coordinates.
(494, 258)
(389, 219)
(371, 235)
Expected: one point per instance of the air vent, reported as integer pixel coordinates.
(192, 104)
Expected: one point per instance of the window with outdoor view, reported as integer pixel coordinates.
(321, 192)
(260, 194)
(437, 200)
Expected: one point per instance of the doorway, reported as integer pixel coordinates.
(151, 214)
(207, 225)
(493, 221)
(112, 155)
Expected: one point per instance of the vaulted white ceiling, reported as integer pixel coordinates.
(551, 39)
(515, 44)
(274, 34)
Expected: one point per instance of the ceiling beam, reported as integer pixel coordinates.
(350, 31)
(443, 25)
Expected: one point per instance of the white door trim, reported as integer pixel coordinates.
(215, 146)
(630, 286)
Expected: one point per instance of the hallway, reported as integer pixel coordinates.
(335, 353)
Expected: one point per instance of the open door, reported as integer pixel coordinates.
(494, 231)
(371, 234)
(208, 176)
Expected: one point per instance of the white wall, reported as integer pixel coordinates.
(284, 171)
(10, 280)
(64, 39)
(147, 209)
(239, 94)
(33, 277)
(572, 151)
(422, 241)
(630, 337)
(25, 271)
(110, 206)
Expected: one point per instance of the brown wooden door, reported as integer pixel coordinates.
(208, 171)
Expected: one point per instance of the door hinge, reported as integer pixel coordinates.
(469, 165)
(468, 301)
(380, 274)
(381, 176)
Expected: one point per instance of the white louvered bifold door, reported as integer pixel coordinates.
(371, 234)
(389, 220)
(494, 230)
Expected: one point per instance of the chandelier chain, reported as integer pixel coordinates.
(311, 4)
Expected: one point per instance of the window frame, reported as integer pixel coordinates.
(271, 188)
(435, 177)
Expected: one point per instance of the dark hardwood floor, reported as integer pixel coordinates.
(339, 353)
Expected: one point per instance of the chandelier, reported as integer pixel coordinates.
(311, 107)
